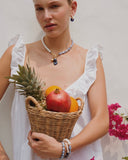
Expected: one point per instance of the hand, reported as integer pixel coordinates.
(44, 146)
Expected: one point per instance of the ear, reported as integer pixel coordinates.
(73, 7)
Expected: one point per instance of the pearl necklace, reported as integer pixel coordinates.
(54, 58)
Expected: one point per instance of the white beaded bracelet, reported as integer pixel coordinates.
(63, 151)
(67, 140)
(68, 147)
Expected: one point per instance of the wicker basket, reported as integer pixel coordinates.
(55, 124)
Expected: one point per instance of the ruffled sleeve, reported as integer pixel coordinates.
(18, 53)
(90, 66)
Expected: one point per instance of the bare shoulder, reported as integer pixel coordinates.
(5, 70)
(82, 52)
(80, 49)
(6, 57)
(5, 61)
(32, 46)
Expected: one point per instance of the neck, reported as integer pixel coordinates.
(58, 44)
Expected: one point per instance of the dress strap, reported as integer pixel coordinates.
(18, 53)
(90, 65)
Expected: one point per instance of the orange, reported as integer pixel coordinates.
(50, 89)
(74, 105)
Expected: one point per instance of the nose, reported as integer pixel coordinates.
(47, 15)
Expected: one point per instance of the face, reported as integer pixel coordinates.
(53, 15)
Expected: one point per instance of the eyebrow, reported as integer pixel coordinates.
(54, 1)
(36, 5)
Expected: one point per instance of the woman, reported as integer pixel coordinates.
(78, 71)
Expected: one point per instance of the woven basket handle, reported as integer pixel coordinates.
(31, 101)
(82, 102)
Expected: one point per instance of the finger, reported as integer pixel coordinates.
(29, 134)
(32, 143)
(38, 136)
(30, 140)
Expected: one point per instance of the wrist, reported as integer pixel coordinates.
(74, 144)
(63, 151)
(57, 150)
(66, 149)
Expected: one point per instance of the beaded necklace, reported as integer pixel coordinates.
(54, 56)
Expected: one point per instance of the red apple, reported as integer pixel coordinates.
(58, 101)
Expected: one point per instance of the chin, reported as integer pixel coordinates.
(53, 34)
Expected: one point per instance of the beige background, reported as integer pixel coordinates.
(101, 22)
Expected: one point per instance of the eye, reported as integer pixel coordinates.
(39, 9)
(54, 6)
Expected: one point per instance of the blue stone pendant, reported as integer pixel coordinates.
(54, 61)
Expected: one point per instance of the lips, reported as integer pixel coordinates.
(50, 25)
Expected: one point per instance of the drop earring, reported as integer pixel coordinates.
(72, 19)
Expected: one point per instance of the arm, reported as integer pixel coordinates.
(3, 155)
(97, 99)
(96, 128)
(5, 70)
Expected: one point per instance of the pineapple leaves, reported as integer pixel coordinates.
(28, 83)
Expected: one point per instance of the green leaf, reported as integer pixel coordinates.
(126, 158)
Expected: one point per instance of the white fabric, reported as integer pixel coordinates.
(20, 122)
(114, 148)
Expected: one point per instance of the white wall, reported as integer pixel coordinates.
(96, 22)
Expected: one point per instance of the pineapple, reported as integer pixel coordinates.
(28, 84)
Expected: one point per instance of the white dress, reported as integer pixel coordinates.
(20, 121)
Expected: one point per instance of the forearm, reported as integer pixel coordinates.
(95, 129)
(3, 155)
